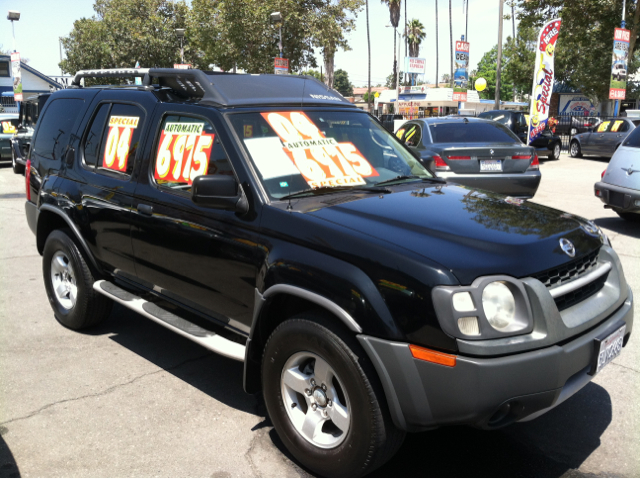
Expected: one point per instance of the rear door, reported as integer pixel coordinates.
(598, 139)
(619, 129)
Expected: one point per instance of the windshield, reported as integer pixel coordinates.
(503, 118)
(472, 132)
(294, 151)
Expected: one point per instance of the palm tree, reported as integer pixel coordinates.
(414, 35)
(437, 51)
(369, 68)
(451, 43)
(394, 16)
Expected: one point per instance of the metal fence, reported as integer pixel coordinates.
(571, 124)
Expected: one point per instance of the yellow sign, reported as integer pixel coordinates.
(376, 94)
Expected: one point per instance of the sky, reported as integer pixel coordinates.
(42, 22)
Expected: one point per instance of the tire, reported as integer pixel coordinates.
(574, 150)
(555, 153)
(70, 274)
(347, 447)
(625, 215)
(18, 169)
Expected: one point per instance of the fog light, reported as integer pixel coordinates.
(462, 302)
(469, 326)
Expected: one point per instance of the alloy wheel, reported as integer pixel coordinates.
(63, 280)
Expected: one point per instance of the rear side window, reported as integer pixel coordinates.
(120, 139)
(93, 136)
(472, 132)
(619, 126)
(413, 135)
(55, 128)
(633, 140)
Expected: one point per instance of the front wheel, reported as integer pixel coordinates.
(574, 150)
(324, 399)
(555, 152)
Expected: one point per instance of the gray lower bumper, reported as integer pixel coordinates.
(487, 393)
(523, 185)
(618, 197)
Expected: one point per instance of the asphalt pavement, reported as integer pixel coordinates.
(131, 398)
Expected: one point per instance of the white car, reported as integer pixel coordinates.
(619, 71)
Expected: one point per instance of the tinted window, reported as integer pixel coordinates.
(55, 128)
(633, 139)
(93, 136)
(603, 127)
(120, 139)
(413, 135)
(4, 69)
(9, 125)
(636, 122)
(187, 148)
(619, 126)
(500, 117)
(472, 132)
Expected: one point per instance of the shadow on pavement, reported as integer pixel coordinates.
(550, 446)
(8, 466)
(618, 225)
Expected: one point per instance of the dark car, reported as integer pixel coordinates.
(21, 140)
(8, 128)
(547, 144)
(604, 138)
(474, 152)
(572, 125)
(267, 219)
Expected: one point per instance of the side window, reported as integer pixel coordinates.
(55, 128)
(187, 148)
(91, 142)
(413, 135)
(619, 126)
(120, 139)
(603, 127)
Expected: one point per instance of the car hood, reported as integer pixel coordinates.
(470, 232)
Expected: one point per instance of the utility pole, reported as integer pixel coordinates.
(497, 103)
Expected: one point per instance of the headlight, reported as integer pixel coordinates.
(500, 307)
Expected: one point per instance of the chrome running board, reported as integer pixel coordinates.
(603, 268)
(195, 333)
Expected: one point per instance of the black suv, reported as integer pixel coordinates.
(267, 219)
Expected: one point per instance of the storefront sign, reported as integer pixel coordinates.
(17, 76)
(461, 75)
(618, 83)
(281, 66)
(543, 78)
(415, 65)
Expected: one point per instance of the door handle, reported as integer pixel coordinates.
(145, 209)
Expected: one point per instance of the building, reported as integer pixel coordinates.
(33, 83)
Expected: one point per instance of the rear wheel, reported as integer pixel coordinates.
(555, 152)
(574, 150)
(18, 169)
(324, 398)
(69, 284)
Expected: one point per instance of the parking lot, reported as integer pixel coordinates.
(130, 398)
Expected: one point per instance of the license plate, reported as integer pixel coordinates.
(490, 165)
(609, 349)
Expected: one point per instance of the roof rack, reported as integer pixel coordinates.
(230, 89)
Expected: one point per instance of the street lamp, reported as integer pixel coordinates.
(276, 17)
(180, 34)
(397, 108)
(13, 15)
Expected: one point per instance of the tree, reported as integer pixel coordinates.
(390, 82)
(125, 31)
(487, 69)
(312, 73)
(342, 83)
(519, 59)
(394, 17)
(583, 53)
(446, 78)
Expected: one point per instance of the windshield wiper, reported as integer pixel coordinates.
(432, 179)
(334, 189)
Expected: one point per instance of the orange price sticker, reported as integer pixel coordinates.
(183, 152)
(322, 161)
(116, 153)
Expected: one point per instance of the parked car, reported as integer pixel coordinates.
(21, 140)
(604, 138)
(8, 127)
(548, 144)
(619, 188)
(267, 219)
(474, 152)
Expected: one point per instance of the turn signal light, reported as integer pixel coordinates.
(27, 179)
(535, 164)
(431, 356)
(440, 163)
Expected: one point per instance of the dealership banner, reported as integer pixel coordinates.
(17, 76)
(543, 76)
(461, 75)
(415, 65)
(618, 83)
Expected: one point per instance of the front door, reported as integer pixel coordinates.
(199, 257)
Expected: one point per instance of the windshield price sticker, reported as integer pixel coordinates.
(116, 153)
(616, 125)
(184, 152)
(320, 160)
(603, 126)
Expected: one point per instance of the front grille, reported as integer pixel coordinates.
(574, 297)
(554, 277)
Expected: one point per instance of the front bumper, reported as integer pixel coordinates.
(491, 392)
(623, 199)
(522, 185)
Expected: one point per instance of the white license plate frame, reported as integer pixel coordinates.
(490, 165)
(607, 349)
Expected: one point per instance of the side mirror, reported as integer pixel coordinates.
(219, 191)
